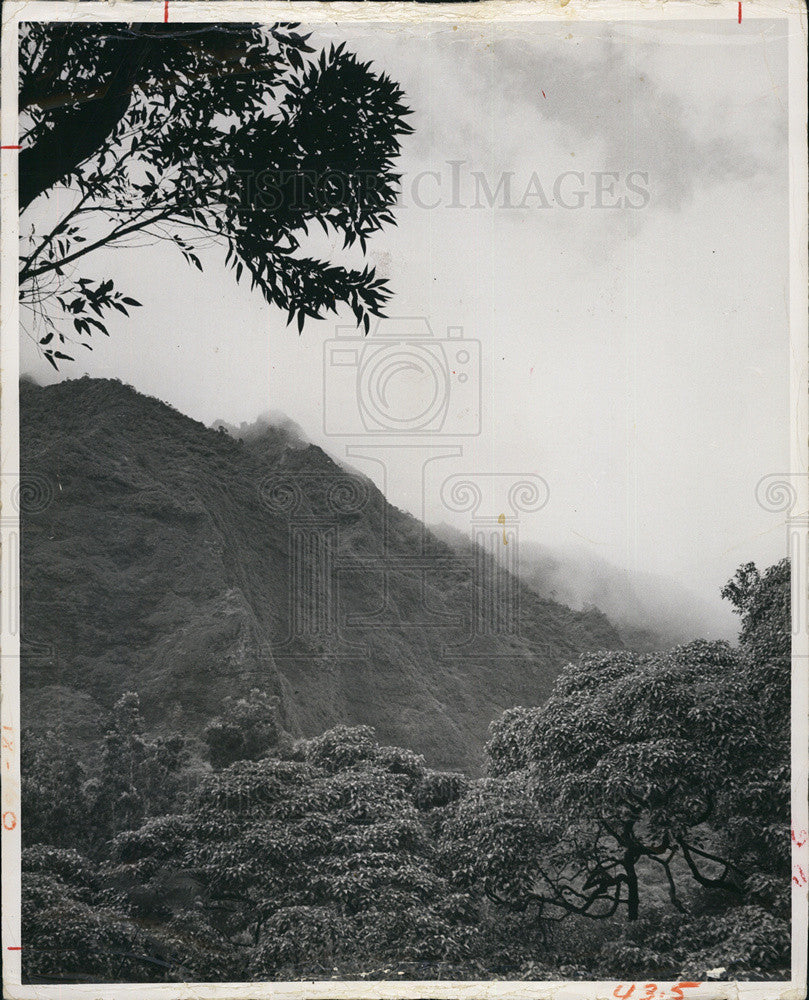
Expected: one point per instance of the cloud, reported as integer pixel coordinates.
(599, 102)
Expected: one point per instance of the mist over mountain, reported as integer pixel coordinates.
(188, 564)
(271, 426)
(651, 612)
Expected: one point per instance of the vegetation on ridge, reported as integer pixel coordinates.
(618, 831)
(158, 563)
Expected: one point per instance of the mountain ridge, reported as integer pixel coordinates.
(650, 612)
(163, 562)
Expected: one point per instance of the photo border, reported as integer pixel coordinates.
(485, 13)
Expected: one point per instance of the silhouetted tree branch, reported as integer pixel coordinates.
(242, 133)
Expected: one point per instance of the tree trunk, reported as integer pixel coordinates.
(81, 130)
(633, 901)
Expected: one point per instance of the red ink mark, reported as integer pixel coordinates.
(740, 11)
(543, 94)
(799, 878)
(9, 820)
(15, 947)
(9, 147)
(531, 370)
(651, 991)
(799, 837)
(166, 11)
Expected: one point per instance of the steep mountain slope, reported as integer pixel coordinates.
(164, 557)
(650, 612)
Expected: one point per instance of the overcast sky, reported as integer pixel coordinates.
(635, 357)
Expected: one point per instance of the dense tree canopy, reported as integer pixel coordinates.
(308, 858)
(75, 923)
(626, 759)
(237, 134)
(138, 776)
(312, 859)
(52, 779)
(132, 776)
(247, 729)
(651, 787)
(645, 773)
(757, 825)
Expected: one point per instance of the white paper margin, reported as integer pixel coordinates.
(485, 13)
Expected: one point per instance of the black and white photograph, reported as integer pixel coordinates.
(404, 499)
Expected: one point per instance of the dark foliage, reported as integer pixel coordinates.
(151, 562)
(138, 776)
(757, 824)
(52, 780)
(338, 857)
(247, 729)
(624, 763)
(239, 134)
(196, 834)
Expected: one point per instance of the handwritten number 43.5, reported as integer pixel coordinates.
(650, 990)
